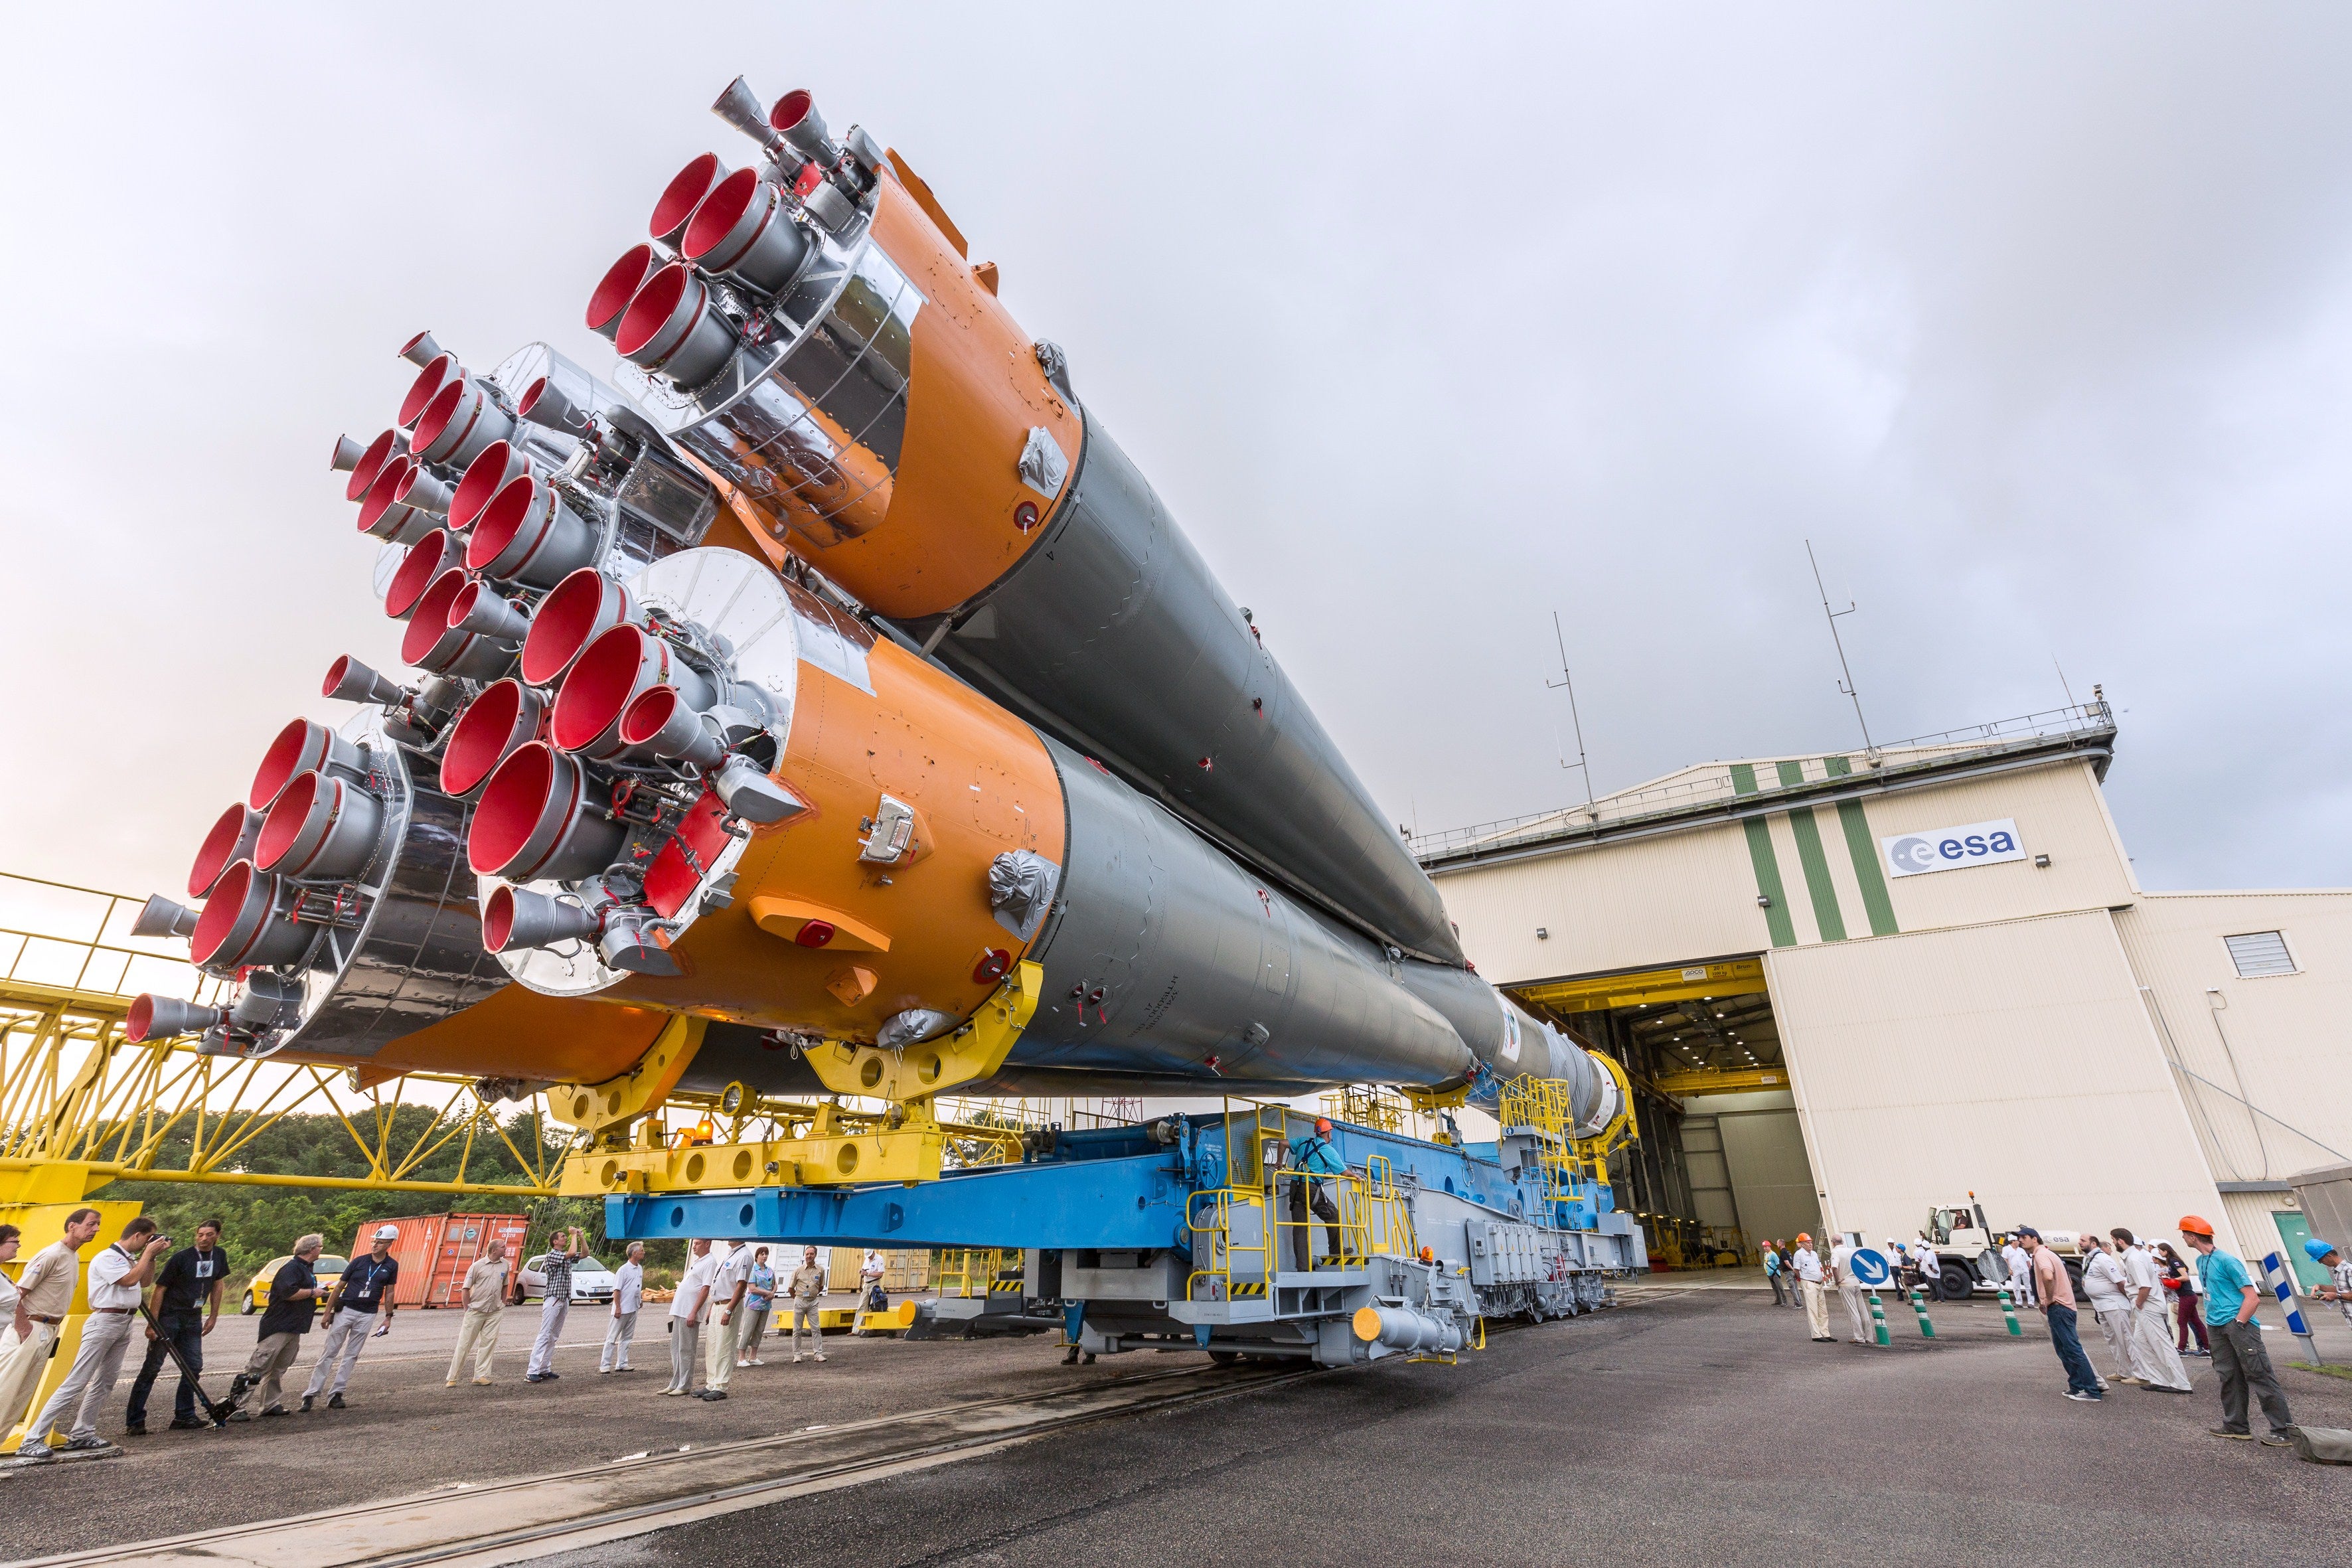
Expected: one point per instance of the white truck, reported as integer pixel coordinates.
(1971, 1259)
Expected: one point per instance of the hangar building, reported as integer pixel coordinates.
(1852, 987)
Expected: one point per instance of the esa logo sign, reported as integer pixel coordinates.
(1949, 849)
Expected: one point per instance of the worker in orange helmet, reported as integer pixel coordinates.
(2230, 1299)
(1811, 1281)
(1315, 1161)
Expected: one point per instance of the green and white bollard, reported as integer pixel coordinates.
(1878, 1320)
(2009, 1313)
(1919, 1305)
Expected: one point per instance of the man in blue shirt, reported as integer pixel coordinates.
(2238, 1354)
(1314, 1157)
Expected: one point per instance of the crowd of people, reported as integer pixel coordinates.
(726, 1302)
(2148, 1299)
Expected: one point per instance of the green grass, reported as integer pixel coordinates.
(2327, 1371)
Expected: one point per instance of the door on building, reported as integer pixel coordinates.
(2293, 1231)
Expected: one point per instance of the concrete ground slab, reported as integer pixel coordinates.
(1697, 1427)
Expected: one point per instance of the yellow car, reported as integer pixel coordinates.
(329, 1269)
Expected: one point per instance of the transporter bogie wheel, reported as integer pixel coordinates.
(1224, 1358)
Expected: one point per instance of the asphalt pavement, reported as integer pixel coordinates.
(1687, 1427)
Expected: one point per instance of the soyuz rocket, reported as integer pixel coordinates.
(822, 673)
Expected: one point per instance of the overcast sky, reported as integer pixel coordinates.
(2037, 321)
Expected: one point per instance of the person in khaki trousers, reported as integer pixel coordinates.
(807, 1289)
(486, 1305)
(726, 1320)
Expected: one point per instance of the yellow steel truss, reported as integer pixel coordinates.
(81, 1106)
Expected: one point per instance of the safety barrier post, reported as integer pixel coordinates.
(2281, 1284)
(2009, 1314)
(1919, 1305)
(1878, 1320)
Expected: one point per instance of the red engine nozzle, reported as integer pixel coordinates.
(612, 672)
(682, 196)
(535, 819)
(578, 611)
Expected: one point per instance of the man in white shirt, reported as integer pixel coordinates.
(118, 1277)
(685, 1307)
(726, 1319)
(628, 1296)
(2154, 1361)
(2021, 1273)
(46, 1292)
(1930, 1267)
(2103, 1282)
(1849, 1288)
(1807, 1265)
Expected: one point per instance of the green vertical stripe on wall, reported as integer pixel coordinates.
(1768, 865)
(1863, 849)
(1826, 913)
(1768, 882)
(1866, 854)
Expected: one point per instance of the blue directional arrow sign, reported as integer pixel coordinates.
(1869, 1267)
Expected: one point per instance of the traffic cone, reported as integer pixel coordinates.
(1878, 1320)
(1919, 1305)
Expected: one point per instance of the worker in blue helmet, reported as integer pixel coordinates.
(1315, 1160)
(2338, 1288)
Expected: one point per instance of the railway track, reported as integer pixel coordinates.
(504, 1521)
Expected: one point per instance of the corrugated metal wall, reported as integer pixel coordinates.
(2014, 1059)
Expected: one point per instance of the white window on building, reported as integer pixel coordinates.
(2260, 952)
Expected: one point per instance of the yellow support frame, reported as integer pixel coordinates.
(1648, 987)
(81, 1106)
(914, 1072)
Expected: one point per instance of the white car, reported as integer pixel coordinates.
(590, 1280)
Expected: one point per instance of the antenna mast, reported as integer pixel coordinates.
(1845, 686)
(1568, 681)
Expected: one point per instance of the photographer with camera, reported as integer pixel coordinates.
(118, 1277)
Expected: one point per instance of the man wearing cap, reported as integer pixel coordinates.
(2056, 1294)
(2338, 1288)
(2239, 1357)
(2019, 1268)
(352, 1305)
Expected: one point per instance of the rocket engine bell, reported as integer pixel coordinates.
(820, 684)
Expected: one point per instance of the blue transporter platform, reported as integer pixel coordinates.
(1234, 1233)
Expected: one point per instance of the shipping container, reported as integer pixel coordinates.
(436, 1250)
(903, 1269)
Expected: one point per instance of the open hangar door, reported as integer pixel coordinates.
(1721, 1163)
